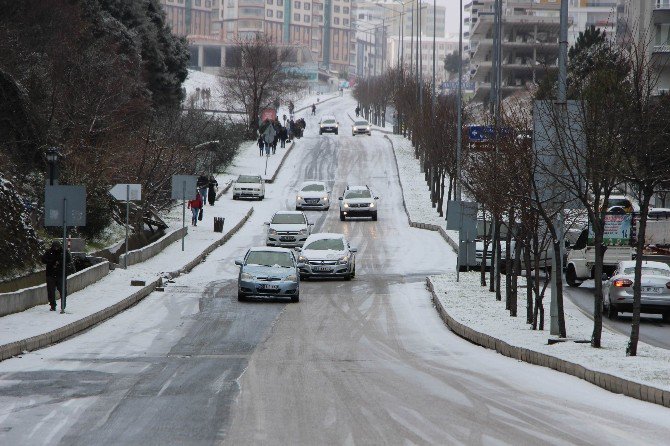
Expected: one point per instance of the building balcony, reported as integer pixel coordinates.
(662, 5)
(663, 49)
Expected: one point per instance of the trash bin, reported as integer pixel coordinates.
(218, 224)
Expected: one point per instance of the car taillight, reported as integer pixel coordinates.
(622, 283)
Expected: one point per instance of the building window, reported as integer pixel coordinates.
(297, 5)
(270, 2)
(345, 10)
(280, 15)
(208, 3)
(361, 16)
(280, 2)
(307, 6)
(336, 20)
(296, 17)
(345, 22)
(336, 8)
(306, 19)
(269, 12)
(198, 2)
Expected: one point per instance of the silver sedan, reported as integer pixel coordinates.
(618, 290)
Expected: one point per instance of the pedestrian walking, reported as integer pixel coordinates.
(213, 187)
(283, 136)
(195, 206)
(313, 109)
(358, 110)
(53, 259)
(203, 187)
(261, 144)
(268, 136)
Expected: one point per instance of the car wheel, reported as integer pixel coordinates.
(298, 208)
(571, 277)
(353, 134)
(240, 297)
(327, 207)
(336, 132)
(261, 197)
(353, 273)
(234, 197)
(666, 316)
(612, 312)
(374, 216)
(295, 298)
(342, 217)
(320, 132)
(348, 277)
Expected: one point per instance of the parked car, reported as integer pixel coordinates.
(313, 195)
(328, 124)
(358, 201)
(618, 290)
(327, 255)
(288, 228)
(361, 127)
(268, 272)
(249, 186)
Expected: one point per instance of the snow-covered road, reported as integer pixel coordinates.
(360, 362)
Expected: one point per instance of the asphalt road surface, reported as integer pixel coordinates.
(653, 330)
(363, 362)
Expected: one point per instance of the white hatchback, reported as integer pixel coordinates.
(288, 229)
(313, 195)
(249, 186)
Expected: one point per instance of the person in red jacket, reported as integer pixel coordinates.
(195, 205)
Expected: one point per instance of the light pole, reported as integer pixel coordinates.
(52, 156)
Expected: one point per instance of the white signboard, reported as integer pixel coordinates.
(123, 192)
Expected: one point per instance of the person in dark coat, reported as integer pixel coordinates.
(53, 259)
(213, 187)
(203, 186)
(283, 136)
(261, 143)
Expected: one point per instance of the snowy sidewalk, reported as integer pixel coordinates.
(473, 312)
(38, 327)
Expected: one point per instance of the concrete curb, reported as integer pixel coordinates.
(143, 254)
(603, 380)
(413, 224)
(317, 103)
(207, 251)
(281, 163)
(59, 334)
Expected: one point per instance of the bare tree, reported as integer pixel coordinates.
(262, 73)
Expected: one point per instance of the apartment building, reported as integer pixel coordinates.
(647, 23)
(189, 17)
(585, 13)
(408, 54)
(530, 31)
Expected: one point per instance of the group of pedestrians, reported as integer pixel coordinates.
(206, 192)
(272, 133)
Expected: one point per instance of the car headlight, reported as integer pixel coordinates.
(369, 127)
(272, 231)
(372, 205)
(325, 198)
(346, 205)
(299, 197)
(291, 278)
(246, 276)
(302, 259)
(343, 260)
(303, 231)
(321, 125)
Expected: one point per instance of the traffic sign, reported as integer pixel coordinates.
(183, 186)
(65, 205)
(123, 192)
(480, 132)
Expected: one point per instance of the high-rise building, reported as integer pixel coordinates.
(530, 30)
(585, 13)
(189, 17)
(646, 23)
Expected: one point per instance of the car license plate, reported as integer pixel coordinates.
(286, 238)
(321, 268)
(651, 290)
(269, 287)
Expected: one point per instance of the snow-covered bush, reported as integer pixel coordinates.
(19, 244)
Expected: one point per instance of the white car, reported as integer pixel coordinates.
(313, 195)
(288, 229)
(361, 127)
(249, 186)
(358, 201)
(327, 255)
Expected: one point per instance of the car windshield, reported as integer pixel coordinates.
(248, 179)
(361, 123)
(624, 203)
(648, 271)
(324, 244)
(288, 219)
(270, 258)
(358, 193)
(329, 121)
(313, 188)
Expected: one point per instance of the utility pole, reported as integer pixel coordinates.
(411, 44)
(459, 124)
(434, 29)
(561, 103)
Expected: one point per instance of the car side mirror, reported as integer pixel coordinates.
(376, 198)
(353, 250)
(239, 262)
(267, 223)
(341, 198)
(300, 265)
(310, 224)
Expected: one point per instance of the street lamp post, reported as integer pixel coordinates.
(53, 155)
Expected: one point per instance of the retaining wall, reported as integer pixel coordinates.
(142, 254)
(21, 300)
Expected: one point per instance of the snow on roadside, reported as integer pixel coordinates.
(474, 306)
(415, 189)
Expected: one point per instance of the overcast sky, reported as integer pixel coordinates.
(451, 13)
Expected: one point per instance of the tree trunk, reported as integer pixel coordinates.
(515, 277)
(485, 243)
(598, 292)
(497, 249)
(440, 201)
(631, 349)
(508, 260)
(494, 251)
(529, 280)
(559, 288)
